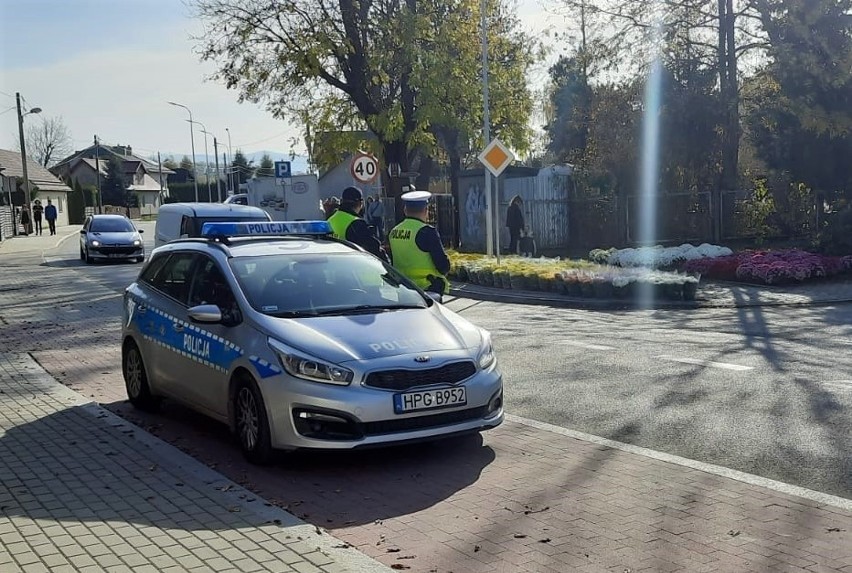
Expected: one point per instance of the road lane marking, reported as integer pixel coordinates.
(585, 345)
(710, 363)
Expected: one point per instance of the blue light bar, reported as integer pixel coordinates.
(275, 228)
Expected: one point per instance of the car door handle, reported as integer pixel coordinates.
(141, 308)
(177, 326)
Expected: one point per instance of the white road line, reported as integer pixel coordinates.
(839, 384)
(710, 363)
(585, 345)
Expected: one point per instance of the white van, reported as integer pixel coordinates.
(180, 220)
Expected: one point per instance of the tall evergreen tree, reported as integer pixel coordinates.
(243, 169)
(114, 186)
(267, 166)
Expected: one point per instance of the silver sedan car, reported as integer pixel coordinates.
(297, 340)
(110, 237)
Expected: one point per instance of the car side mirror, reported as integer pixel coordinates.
(436, 296)
(82, 231)
(208, 313)
(140, 230)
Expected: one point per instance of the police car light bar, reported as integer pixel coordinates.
(276, 228)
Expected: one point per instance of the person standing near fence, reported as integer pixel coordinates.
(25, 220)
(515, 222)
(38, 210)
(375, 215)
(50, 215)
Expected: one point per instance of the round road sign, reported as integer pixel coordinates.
(364, 168)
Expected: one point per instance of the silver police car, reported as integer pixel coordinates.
(298, 340)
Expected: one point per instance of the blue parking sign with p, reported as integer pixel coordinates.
(282, 169)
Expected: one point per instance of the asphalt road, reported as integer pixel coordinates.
(762, 390)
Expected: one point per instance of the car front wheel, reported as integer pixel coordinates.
(136, 379)
(252, 425)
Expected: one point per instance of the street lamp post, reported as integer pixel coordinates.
(192, 142)
(206, 159)
(24, 151)
(216, 155)
(230, 171)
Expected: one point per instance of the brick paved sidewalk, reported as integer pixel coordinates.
(83, 490)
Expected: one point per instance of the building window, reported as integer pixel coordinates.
(59, 201)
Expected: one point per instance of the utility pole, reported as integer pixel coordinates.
(218, 179)
(27, 198)
(227, 174)
(160, 167)
(486, 131)
(98, 174)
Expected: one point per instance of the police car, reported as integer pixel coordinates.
(298, 340)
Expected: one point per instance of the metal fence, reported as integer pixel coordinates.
(6, 224)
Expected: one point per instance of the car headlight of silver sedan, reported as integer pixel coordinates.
(307, 367)
(95, 243)
(486, 355)
(137, 243)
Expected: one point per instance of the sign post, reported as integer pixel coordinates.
(496, 157)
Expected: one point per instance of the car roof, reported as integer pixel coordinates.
(105, 216)
(215, 209)
(261, 246)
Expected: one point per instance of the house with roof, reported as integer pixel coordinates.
(148, 180)
(43, 184)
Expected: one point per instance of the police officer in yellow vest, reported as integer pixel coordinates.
(346, 223)
(416, 247)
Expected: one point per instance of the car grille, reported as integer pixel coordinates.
(404, 379)
(422, 422)
(117, 249)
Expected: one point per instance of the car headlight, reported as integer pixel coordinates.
(486, 355)
(137, 243)
(310, 368)
(96, 243)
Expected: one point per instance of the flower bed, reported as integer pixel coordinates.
(657, 257)
(783, 266)
(572, 278)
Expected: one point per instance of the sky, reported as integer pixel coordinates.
(109, 67)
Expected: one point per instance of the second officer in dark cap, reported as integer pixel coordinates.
(346, 223)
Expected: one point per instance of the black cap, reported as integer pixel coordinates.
(352, 194)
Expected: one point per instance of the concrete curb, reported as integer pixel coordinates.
(490, 294)
(185, 465)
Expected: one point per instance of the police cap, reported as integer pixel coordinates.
(416, 199)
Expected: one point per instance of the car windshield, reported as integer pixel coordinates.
(111, 226)
(301, 285)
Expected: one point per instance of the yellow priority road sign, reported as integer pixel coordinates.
(496, 157)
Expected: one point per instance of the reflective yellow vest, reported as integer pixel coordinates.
(408, 259)
(340, 221)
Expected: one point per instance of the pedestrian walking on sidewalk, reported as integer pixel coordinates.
(38, 210)
(50, 215)
(25, 220)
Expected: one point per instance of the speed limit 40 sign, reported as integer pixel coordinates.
(364, 168)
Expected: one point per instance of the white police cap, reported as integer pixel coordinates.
(416, 197)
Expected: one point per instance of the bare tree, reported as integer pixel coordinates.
(48, 140)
